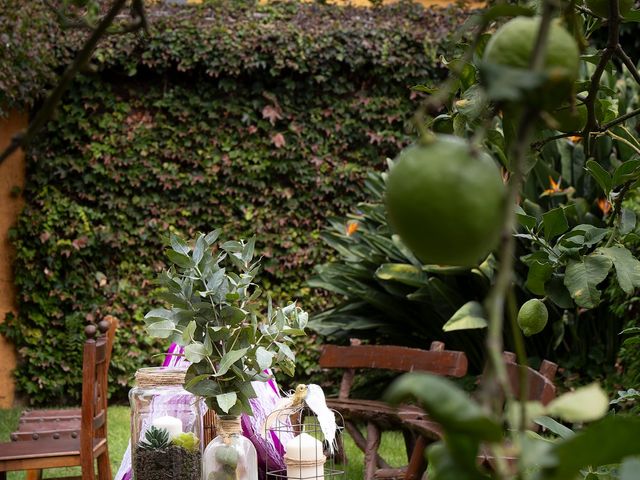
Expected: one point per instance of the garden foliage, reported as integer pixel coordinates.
(257, 120)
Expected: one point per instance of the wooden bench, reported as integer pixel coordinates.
(540, 387)
(376, 415)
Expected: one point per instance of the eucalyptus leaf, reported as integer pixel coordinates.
(196, 351)
(226, 401)
(229, 359)
(161, 329)
(180, 259)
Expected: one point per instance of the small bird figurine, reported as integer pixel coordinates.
(313, 396)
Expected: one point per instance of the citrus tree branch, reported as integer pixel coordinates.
(594, 86)
(622, 55)
(46, 111)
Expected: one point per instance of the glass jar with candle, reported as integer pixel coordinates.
(230, 456)
(166, 426)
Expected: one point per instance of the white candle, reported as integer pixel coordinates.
(304, 457)
(172, 425)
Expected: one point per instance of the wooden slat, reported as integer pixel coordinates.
(404, 359)
(40, 434)
(43, 449)
(46, 413)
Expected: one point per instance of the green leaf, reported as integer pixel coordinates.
(161, 329)
(629, 170)
(402, 273)
(181, 260)
(539, 274)
(248, 249)
(603, 443)
(585, 404)
(582, 277)
(286, 351)
(187, 333)
(525, 220)
(447, 404)
(600, 175)
(229, 359)
(627, 221)
(196, 351)
(554, 223)
(454, 459)
(204, 387)
(198, 251)
(212, 236)
(469, 316)
(179, 245)
(232, 315)
(264, 358)
(627, 267)
(555, 427)
(509, 84)
(226, 401)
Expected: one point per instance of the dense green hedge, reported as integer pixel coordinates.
(260, 120)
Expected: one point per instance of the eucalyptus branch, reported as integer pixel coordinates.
(594, 86)
(45, 113)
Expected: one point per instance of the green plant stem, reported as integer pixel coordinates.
(521, 356)
(594, 86)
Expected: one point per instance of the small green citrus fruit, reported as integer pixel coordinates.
(512, 46)
(601, 7)
(446, 201)
(532, 317)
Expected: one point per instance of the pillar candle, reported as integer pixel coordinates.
(305, 458)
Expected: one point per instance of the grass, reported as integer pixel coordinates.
(392, 445)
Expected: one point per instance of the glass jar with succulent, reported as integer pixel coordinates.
(229, 336)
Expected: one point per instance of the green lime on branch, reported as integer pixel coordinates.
(513, 44)
(532, 317)
(446, 201)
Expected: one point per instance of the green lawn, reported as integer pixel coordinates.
(392, 448)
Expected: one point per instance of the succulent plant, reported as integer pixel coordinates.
(187, 440)
(155, 439)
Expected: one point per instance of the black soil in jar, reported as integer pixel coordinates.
(168, 463)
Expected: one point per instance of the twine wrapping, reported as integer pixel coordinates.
(291, 462)
(160, 377)
(228, 426)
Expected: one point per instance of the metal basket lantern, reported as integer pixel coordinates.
(307, 455)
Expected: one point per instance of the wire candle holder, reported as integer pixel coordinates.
(307, 455)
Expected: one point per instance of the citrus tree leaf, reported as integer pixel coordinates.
(627, 221)
(603, 443)
(469, 316)
(403, 273)
(537, 276)
(582, 277)
(626, 265)
(447, 404)
(585, 404)
(554, 223)
(226, 401)
(600, 175)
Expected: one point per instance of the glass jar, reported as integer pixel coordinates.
(166, 426)
(230, 456)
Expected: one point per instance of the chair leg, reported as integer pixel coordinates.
(34, 474)
(88, 468)
(370, 454)
(104, 467)
(417, 463)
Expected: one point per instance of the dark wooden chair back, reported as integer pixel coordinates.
(436, 360)
(540, 386)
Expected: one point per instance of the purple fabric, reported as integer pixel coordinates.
(270, 450)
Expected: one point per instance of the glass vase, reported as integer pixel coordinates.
(166, 426)
(230, 456)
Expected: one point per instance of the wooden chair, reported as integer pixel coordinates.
(62, 423)
(540, 388)
(376, 415)
(52, 451)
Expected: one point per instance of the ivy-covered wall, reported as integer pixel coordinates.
(260, 121)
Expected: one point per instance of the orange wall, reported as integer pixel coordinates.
(12, 172)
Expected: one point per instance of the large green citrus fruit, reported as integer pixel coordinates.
(601, 7)
(532, 317)
(446, 201)
(512, 46)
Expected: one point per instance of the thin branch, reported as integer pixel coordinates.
(541, 143)
(609, 51)
(620, 119)
(44, 114)
(621, 54)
